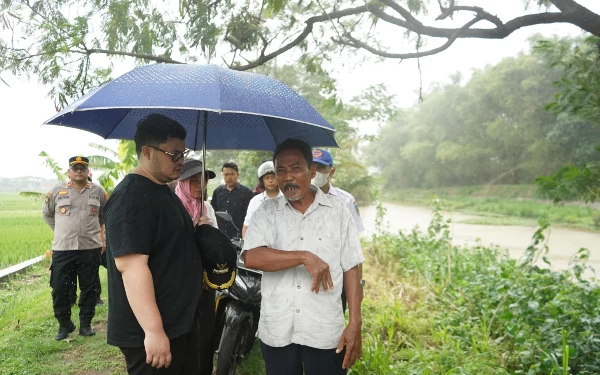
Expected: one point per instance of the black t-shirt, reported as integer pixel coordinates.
(143, 217)
(235, 202)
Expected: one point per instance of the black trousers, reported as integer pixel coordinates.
(206, 331)
(67, 268)
(294, 358)
(183, 352)
(98, 284)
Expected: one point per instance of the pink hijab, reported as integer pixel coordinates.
(191, 204)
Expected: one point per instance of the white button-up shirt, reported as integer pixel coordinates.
(290, 312)
(350, 202)
(255, 203)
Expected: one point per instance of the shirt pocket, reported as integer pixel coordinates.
(64, 206)
(93, 206)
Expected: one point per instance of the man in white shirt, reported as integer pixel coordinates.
(303, 241)
(267, 182)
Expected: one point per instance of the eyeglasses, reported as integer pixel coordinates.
(175, 156)
(79, 168)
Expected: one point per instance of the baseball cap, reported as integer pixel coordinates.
(266, 167)
(191, 167)
(219, 257)
(322, 157)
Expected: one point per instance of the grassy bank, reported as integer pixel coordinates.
(23, 232)
(503, 205)
(441, 309)
(27, 329)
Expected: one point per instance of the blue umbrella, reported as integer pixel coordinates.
(220, 108)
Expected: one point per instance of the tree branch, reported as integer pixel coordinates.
(160, 59)
(580, 15)
(499, 32)
(353, 42)
(303, 35)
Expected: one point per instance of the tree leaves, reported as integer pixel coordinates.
(492, 129)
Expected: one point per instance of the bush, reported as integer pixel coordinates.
(489, 314)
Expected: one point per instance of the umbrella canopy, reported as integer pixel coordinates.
(235, 110)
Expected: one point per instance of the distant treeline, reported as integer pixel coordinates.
(17, 184)
(492, 129)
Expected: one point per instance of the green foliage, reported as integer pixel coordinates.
(578, 98)
(571, 182)
(579, 62)
(23, 232)
(114, 170)
(492, 129)
(60, 174)
(484, 312)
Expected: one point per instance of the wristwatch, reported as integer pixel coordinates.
(362, 283)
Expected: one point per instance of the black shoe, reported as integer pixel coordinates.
(99, 302)
(64, 330)
(86, 331)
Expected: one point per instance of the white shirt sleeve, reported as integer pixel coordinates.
(210, 213)
(252, 206)
(352, 254)
(353, 207)
(260, 233)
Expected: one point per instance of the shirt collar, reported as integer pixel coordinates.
(332, 191)
(320, 199)
(265, 196)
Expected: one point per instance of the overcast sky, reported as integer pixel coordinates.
(25, 105)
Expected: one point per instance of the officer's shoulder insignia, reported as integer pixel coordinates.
(63, 192)
(70, 185)
(48, 196)
(105, 196)
(87, 185)
(356, 208)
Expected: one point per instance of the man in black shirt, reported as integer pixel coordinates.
(154, 266)
(232, 198)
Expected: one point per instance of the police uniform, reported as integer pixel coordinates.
(76, 218)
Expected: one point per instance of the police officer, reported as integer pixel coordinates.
(325, 170)
(74, 212)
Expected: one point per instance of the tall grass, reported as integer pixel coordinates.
(23, 232)
(476, 311)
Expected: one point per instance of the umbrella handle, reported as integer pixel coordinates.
(203, 177)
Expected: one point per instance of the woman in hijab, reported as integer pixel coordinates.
(189, 190)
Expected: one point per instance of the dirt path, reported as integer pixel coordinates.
(563, 243)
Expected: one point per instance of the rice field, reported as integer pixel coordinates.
(23, 232)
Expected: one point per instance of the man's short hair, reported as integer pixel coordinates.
(155, 129)
(295, 144)
(231, 165)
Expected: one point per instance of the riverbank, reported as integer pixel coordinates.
(503, 205)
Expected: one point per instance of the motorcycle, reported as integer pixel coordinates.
(237, 312)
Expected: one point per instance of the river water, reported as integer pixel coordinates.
(563, 243)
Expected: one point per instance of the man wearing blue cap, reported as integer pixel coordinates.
(325, 171)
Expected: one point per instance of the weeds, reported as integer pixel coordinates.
(485, 313)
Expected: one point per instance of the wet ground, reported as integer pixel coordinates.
(563, 243)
